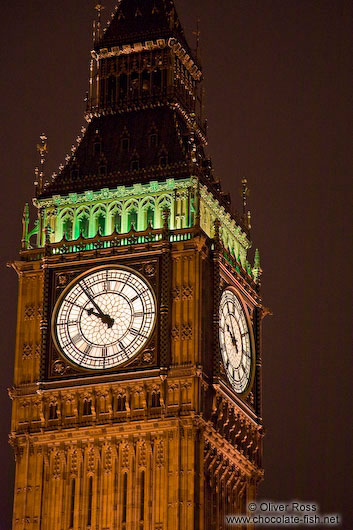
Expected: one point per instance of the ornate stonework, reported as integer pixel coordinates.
(161, 440)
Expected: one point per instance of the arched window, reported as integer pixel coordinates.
(145, 81)
(101, 224)
(84, 226)
(111, 90)
(153, 141)
(142, 497)
(117, 221)
(68, 227)
(132, 219)
(134, 82)
(102, 90)
(74, 173)
(163, 161)
(124, 500)
(53, 411)
(157, 80)
(72, 502)
(150, 216)
(135, 164)
(123, 85)
(156, 401)
(121, 404)
(125, 144)
(90, 498)
(87, 408)
(102, 170)
(97, 148)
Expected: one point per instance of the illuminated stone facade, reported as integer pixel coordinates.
(162, 441)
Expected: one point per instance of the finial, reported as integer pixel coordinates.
(257, 261)
(97, 24)
(197, 33)
(245, 192)
(36, 179)
(25, 224)
(42, 149)
(217, 225)
(257, 271)
(47, 232)
(165, 227)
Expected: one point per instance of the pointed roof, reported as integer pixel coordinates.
(142, 20)
(82, 172)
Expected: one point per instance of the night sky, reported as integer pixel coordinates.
(278, 79)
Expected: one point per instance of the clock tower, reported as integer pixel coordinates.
(137, 384)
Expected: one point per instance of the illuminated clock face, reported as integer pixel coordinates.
(104, 318)
(234, 338)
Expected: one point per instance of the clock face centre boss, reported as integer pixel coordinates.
(104, 318)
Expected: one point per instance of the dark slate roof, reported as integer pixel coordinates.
(142, 20)
(108, 131)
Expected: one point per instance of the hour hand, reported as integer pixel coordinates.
(90, 311)
(106, 319)
(234, 340)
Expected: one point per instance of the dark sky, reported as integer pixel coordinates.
(279, 104)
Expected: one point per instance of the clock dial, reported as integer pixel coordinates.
(104, 318)
(234, 338)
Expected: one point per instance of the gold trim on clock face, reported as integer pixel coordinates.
(235, 342)
(104, 318)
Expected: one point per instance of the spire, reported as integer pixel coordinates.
(137, 21)
(97, 24)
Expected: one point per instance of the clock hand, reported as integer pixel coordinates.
(91, 299)
(231, 321)
(90, 311)
(234, 340)
(106, 319)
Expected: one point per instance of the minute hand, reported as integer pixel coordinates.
(91, 299)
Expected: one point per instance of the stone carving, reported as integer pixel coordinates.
(30, 312)
(176, 294)
(176, 333)
(59, 367)
(125, 456)
(147, 356)
(186, 332)
(160, 454)
(187, 292)
(27, 351)
(150, 270)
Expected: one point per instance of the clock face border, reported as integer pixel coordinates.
(60, 299)
(250, 384)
